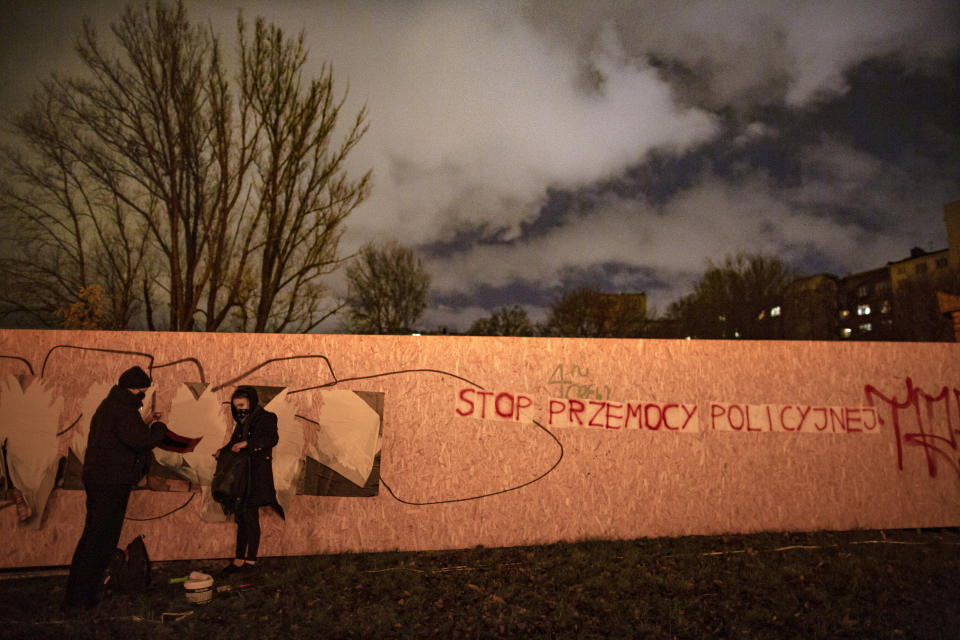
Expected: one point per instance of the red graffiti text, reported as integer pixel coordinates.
(928, 421)
(494, 405)
(605, 414)
(792, 418)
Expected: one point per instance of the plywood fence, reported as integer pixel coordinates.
(515, 441)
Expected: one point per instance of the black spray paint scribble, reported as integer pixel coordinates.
(151, 366)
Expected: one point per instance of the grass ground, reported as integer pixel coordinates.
(863, 584)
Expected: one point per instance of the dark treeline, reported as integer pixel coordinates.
(756, 297)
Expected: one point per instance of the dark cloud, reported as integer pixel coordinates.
(526, 148)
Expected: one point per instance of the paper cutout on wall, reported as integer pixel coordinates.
(344, 439)
(29, 416)
(196, 412)
(288, 454)
(347, 440)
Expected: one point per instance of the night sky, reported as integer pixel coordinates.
(528, 148)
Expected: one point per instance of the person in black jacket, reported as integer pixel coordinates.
(118, 452)
(255, 431)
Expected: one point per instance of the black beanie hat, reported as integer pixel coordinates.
(134, 378)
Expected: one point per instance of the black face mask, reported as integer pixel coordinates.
(242, 413)
(141, 395)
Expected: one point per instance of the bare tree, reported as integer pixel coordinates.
(387, 290)
(586, 313)
(733, 300)
(304, 191)
(810, 309)
(916, 316)
(67, 232)
(505, 321)
(215, 199)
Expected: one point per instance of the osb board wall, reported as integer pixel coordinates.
(893, 465)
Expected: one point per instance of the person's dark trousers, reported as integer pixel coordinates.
(248, 533)
(106, 506)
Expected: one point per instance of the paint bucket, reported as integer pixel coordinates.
(199, 588)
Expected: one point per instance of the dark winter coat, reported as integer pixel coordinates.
(259, 429)
(119, 443)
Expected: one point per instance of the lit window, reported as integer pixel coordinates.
(844, 313)
(863, 310)
(886, 307)
(722, 318)
(736, 334)
(763, 313)
(845, 332)
(774, 312)
(865, 327)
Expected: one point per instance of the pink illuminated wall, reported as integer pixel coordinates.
(512, 441)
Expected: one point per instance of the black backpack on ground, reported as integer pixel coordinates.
(129, 570)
